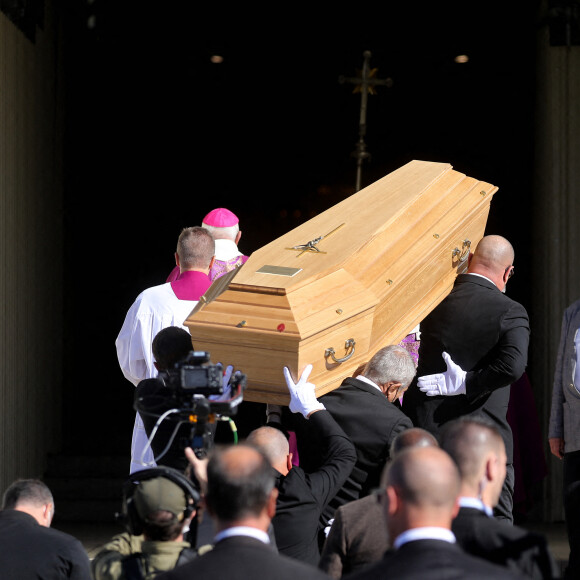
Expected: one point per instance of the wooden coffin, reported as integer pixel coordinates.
(357, 277)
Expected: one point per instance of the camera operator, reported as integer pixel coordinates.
(169, 433)
(170, 345)
(157, 509)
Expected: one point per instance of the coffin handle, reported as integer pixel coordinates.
(330, 352)
(461, 255)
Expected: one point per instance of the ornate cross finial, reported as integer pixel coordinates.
(365, 84)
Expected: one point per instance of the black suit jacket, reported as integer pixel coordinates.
(303, 496)
(504, 544)
(487, 334)
(371, 422)
(29, 550)
(243, 558)
(432, 560)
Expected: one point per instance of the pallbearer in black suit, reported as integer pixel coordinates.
(419, 495)
(302, 496)
(241, 497)
(367, 408)
(478, 449)
(474, 345)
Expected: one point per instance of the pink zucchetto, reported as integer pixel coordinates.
(220, 218)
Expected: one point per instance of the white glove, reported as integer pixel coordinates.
(226, 387)
(302, 396)
(451, 382)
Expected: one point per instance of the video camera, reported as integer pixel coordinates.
(194, 393)
(196, 375)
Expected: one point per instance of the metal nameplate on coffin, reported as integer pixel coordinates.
(279, 271)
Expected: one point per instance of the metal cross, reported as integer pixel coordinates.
(365, 85)
(311, 245)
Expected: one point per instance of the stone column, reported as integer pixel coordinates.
(555, 280)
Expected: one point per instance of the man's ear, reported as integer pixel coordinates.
(392, 388)
(271, 505)
(456, 507)
(238, 236)
(393, 501)
(491, 467)
(506, 276)
(177, 259)
(48, 513)
(211, 262)
(289, 463)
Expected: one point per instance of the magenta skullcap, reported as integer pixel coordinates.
(220, 218)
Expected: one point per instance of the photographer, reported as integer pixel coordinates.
(152, 399)
(169, 433)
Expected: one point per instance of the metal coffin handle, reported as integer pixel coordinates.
(462, 255)
(330, 352)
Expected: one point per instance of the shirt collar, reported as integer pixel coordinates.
(475, 503)
(426, 533)
(482, 276)
(369, 382)
(243, 531)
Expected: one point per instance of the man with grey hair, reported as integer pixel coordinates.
(224, 227)
(156, 308)
(367, 409)
(30, 547)
(302, 496)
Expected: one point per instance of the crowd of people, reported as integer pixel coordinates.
(405, 470)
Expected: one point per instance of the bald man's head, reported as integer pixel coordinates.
(412, 437)
(273, 443)
(472, 442)
(425, 478)
(494, 252)
(494, 259)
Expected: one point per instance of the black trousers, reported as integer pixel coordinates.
(571, 491)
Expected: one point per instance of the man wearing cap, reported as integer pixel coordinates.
(162, 511)
(156, 308)
(224, 226)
